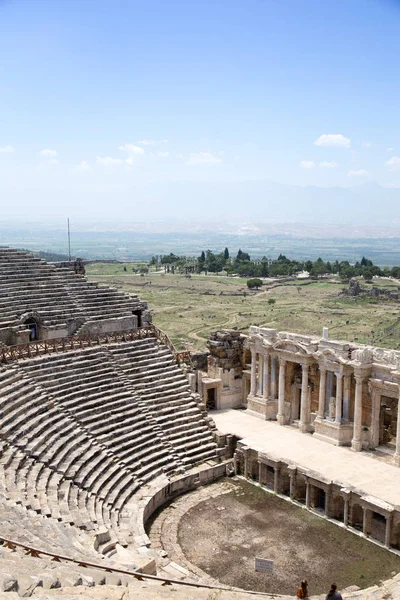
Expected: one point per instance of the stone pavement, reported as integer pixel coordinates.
(341, 465)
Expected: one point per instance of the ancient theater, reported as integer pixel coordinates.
(104, 421)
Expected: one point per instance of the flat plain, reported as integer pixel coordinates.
(188, 309)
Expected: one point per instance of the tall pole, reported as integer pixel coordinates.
(69, 242)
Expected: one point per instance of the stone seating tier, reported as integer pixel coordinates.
(83, 431)
(55, 295)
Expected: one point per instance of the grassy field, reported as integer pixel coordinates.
(189, 309)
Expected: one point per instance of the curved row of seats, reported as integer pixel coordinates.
(57, 295)
(83, 431)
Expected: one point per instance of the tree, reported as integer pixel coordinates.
(226, 254)
(242, 255)
(254, 283)
(367, 274)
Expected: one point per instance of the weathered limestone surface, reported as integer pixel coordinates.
(224, 369)
(59, 301)
(347, 394)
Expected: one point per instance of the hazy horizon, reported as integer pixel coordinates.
(150, 111)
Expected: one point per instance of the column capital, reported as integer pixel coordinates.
(322, 368)
(282, 361)
(360, 376)
(339, 375)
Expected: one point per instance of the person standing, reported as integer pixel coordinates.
(302, 592)
(333, 594)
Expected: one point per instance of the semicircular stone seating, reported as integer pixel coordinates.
(83, 435)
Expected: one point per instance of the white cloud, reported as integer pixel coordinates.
(389, 149)
(326, 164)
(132, 149)
(333, 140)
(47, 153)
(366, 144)
(179, 155)
(307, 164)
(53, 161)
(6, 149)
(83, 166)
(393, 163)
(203, 158)
(108, 161)
(357, 173)
(129, 161)
(160, 154)
(151, 142)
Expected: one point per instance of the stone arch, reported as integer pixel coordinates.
(32, 322)
(328, 356)
(290, 346)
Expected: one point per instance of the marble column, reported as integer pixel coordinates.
(253, 381)
(339, 397)
(397, 453)
(235, 463)
(346, 397)
(365, 521)
(276, 480)
(246, 464)
(322, 394)
(281, 394)
(388, 531)
(273, 377)
(260, 472)
(308, 490)
(266, 376)
(327, 497)
(304, 401)
(356, 441)
(375, 416)
(260, 374)
(292, 484)
(346, 511)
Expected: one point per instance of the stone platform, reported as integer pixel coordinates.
(341, 465)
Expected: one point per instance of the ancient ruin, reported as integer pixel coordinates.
(103, 421)
(345, 394)
(44, 301)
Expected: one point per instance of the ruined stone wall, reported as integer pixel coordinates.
(226, 351)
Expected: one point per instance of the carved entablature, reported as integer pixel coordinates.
(291, 347)
(363, 356)
(330, 360)
(304, 341)
(387, 357)
(340, 349)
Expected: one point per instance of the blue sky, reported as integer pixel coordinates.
(99, 99)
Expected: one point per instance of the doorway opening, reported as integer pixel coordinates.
(33, 327)
(211, 399)
(388, 421)
(138, 314)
